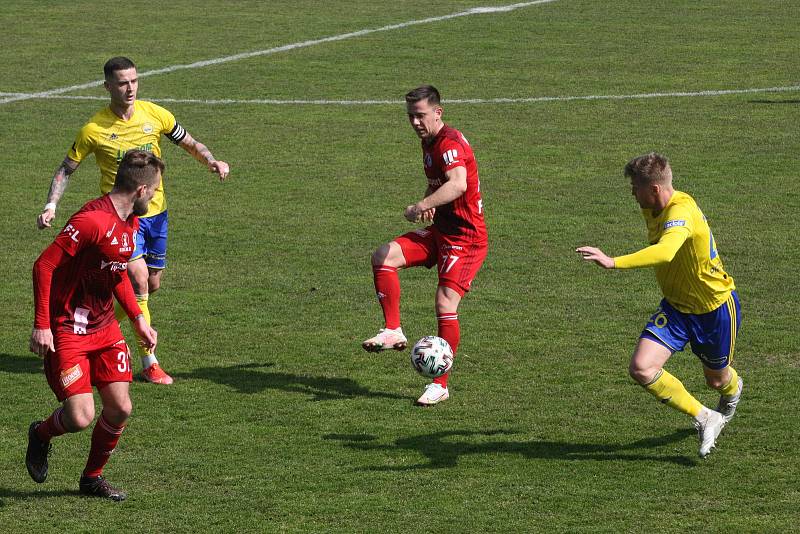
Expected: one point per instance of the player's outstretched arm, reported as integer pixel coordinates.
(596, 255)
(201, 153)
(57, 187)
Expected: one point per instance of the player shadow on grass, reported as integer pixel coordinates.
(765, 101)
(248, 378)
(7, 494)
(14, 363)
(443, 452)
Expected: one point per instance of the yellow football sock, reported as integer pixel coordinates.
(140, 349)
(119, 313)
(733, 386)
(670, 391)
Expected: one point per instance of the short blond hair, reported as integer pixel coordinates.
(652, 168)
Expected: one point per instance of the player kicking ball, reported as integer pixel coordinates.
(76, 280)
(455, 242)
(700, 305)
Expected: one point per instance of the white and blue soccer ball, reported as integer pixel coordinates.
(432, 356)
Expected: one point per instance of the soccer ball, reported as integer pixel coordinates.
(432, 356)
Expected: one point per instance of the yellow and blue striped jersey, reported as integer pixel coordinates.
(108, 137)
(684, 254)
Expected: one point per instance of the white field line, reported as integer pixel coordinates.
(245, 55)
(526, 100)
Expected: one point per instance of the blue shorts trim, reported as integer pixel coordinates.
(150, 242)
(712, 335)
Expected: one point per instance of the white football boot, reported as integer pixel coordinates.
(433, 394)
(708, 424)
(386, 339)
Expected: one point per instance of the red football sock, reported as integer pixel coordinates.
(450, 331)
(52, 427)
(387, 286)
(104, 439)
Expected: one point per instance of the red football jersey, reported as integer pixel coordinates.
(462, 218)
(100, 245)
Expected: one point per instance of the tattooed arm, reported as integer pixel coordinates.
(57, 188)
(201, 153)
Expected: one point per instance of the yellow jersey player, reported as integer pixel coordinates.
(128, 124)
(700, 305)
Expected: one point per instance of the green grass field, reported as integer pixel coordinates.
(278, 421)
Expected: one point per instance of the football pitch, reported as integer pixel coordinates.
(278, 420)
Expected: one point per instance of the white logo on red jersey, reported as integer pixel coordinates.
(73, 233)
(114, 241)
(115, 266)
(125, 246)
(108, 234)
(450, 157)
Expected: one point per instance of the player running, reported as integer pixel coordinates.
(126, 124)
(700, 304)
(456, 242)
(76, 280)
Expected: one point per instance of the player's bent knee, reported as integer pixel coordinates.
(118, 413)
(642, 376)
(78, 418)
(389, 254)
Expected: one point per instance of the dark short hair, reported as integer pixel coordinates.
(652, 168)
(137, 168)
(117, 63)
(424, 92)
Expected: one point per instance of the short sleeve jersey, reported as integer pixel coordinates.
(695, 280)
(100, 243)
(109, 137)
(461, 219)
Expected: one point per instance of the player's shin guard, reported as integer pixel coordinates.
(670, 391)
(450, 331)
(731, 388)
(104, 439)
(387, 287)
(52, 427)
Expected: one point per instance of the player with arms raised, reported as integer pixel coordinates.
(75, 281)
(456, 242)
(700, 304)
(127, 124)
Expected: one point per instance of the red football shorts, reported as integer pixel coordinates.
(85, 360)
(457, 262)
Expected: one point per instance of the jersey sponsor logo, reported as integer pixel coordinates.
(114, 266)
(147, 128)
(114, 241)
(428, 159)
(113, 136)
(450, 157)
(670, 224)
(72, 232)
(435, 182)
(147, 147)
(69, 376)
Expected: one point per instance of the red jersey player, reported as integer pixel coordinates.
(456, 242)
(75, 282)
